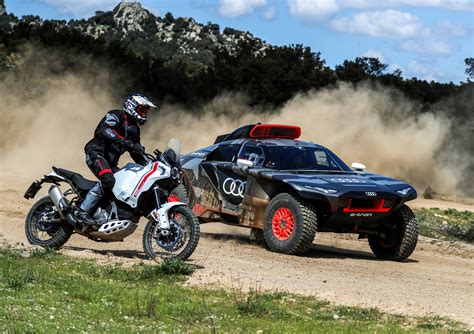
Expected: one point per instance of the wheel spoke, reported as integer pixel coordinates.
(181, 225)
(43, 211)
(283, 223)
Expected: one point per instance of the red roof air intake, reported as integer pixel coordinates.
(275, 131)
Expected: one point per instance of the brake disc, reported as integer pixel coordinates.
(168, 239)
(43, 222)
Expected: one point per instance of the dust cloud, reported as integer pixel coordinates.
(374, 126)
(47, 119)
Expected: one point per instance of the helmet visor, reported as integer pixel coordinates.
(142, 110)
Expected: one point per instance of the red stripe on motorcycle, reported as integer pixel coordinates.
(155, 166)
(103, 171)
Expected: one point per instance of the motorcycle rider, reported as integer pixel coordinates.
(117, 132)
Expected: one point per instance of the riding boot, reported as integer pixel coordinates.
(90, 201)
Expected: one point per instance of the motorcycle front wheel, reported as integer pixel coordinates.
(179, 242)
(44, 226)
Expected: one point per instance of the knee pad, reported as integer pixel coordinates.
(108, 181)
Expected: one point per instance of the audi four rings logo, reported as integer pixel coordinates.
(234, 187)
(370, 193)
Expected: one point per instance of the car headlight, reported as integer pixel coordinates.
(322, 190)
(405, 191)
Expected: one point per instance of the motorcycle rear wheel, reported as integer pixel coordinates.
(184, 243)
(43, 233)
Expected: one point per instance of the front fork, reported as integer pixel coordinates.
(160, 214)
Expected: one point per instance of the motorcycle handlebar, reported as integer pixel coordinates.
(150, 157)
(158, 156)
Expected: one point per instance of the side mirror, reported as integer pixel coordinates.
(244, 163)
(358, 167)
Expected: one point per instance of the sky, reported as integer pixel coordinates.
(427, 39)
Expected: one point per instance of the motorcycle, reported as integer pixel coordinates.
(172, 230)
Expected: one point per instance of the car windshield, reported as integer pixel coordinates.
(303, 158)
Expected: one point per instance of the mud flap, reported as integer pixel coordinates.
(33, 189)
(36, 186)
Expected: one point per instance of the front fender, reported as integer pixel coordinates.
(169, 205)
(161, 215)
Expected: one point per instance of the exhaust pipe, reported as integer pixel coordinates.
(59, 200)
(61, 204)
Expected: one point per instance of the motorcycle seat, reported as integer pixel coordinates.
(77, 179)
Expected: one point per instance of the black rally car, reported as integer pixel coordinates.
(262, 177)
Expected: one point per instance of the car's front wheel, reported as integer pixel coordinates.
(396, 239)
(290, 224)
(179, 194)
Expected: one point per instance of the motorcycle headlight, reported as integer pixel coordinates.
(175, 173)
(322, 190)
(405, 191)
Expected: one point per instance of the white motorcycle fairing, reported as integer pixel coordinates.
(133, 180)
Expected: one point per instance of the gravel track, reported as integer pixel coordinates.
(438, 279)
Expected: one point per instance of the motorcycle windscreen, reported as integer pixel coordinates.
(231, 186)
(172, 152)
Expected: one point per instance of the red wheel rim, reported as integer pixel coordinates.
(173, 198)
(390, 241)
(386, 245)
(283, 223)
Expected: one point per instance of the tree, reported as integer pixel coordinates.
(360, 69)
(470, 68)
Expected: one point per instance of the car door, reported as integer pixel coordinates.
(219, 167)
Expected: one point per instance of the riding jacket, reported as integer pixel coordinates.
(115, 134)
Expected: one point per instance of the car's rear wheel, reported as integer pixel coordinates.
(179, 194)
(396, 240)
(289, 225)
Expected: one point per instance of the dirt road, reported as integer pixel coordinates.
(438, 279)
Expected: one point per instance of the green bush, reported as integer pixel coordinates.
(448, 224)
(176, 267)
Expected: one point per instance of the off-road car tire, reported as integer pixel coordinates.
(304, 224)
(181, 193)
(404, 241)
(58, 239)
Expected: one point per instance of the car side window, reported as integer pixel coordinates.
(323, 160)
(252, 153)
(224, 153)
